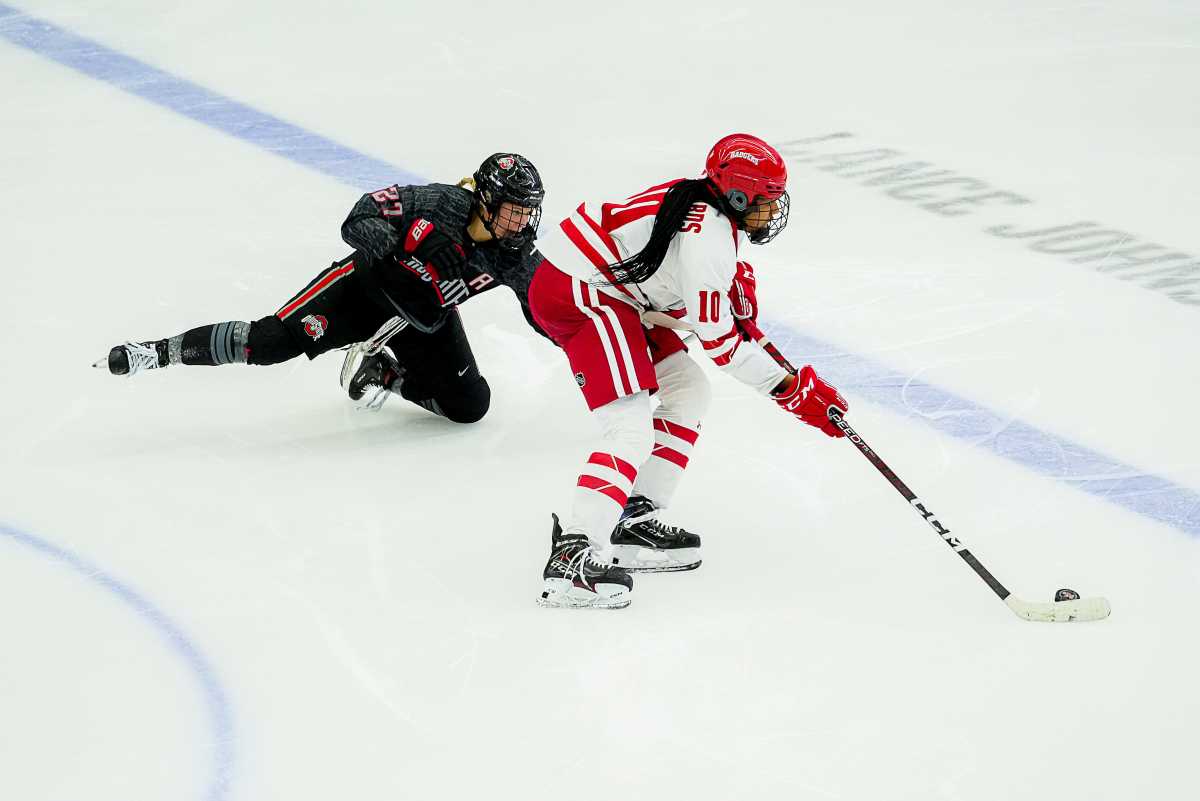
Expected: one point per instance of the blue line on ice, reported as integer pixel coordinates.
(219, 711)
(197, 103)
(1147, 495)
(1046, 454)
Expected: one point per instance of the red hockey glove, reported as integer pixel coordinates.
(809, 397)
(435, 249)
(743, 293)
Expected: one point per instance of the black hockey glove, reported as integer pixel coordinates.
(435, 249)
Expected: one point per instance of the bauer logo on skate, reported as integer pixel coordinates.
(315, 325)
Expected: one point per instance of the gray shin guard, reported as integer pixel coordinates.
(221, 343)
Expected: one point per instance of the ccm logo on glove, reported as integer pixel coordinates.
(809, 397)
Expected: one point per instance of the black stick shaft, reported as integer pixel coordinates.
(856, 439)
(916, 503)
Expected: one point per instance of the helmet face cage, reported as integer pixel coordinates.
(778, 221)
(505, 184)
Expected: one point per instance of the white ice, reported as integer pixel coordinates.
(226, 584)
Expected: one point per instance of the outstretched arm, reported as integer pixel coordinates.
(802, 393)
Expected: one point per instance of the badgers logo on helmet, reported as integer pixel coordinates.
(742, 154)
(315, 325)
(506, 163)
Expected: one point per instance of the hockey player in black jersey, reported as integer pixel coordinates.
(419, 252)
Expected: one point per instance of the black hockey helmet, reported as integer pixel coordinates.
(510, 178)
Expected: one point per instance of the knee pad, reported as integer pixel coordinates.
(270, 343)
(627, 427)
(684, 392)
(464, 403)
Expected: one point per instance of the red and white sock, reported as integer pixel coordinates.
(660, 475)
(607, 477)
(683, 400)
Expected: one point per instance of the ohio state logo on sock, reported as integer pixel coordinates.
(315, 325)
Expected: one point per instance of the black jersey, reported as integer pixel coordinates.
(376, 228)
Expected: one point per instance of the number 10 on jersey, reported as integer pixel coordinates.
(710, 307)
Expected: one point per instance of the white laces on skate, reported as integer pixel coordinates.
(576, 565)
(639, 510)
(663, 528)
(640, 518)
(141, 357)
(650, 519)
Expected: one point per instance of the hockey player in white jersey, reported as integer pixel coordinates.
(616, 279)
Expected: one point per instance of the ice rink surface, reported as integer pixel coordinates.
(227, 585)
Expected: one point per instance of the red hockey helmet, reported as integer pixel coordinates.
(745, 167)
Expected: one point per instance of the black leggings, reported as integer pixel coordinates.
(441, 374)
(335, 310)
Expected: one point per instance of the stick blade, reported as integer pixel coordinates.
(1079, 611)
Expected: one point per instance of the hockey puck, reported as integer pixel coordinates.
(1066, 595)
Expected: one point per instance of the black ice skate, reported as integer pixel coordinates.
(370, 379)
(574, 579)
(134, 357)
(641, 544)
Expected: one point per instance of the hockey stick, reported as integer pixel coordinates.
(1077, 610)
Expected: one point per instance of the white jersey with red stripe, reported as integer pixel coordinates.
(692, 285)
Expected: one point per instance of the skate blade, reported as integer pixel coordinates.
(355, 355)
(636, 559)
(372, 400)
(558, 603)
(555, 596)
(658, 568)
(101, 364)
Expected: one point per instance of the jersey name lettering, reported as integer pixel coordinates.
(692, 220)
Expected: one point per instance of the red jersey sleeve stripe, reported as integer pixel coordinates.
(646, 199)
(579, 241)
(615, 462)
(585, 247)
(726, 358)
(603, 235)
(657, 188)
(713, 344)
(623, 216)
